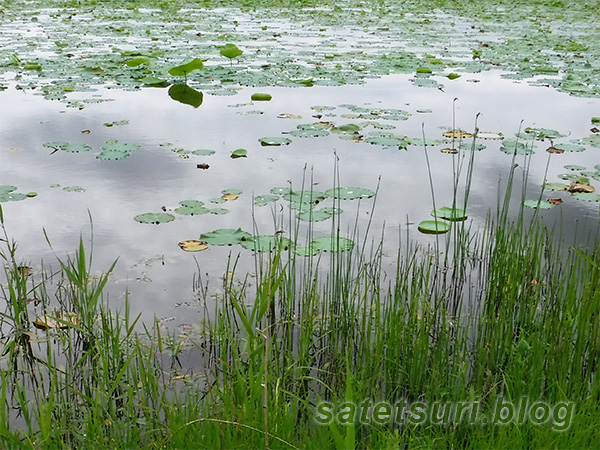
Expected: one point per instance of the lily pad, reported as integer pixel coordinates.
(66, 147)
(332, 244)
(191, 208)
(193, 245)
(239, 153)
(73, 189)
(314, 215)
(7, 194)
(184, 69)
(587, 196)
(569, 147)
(265, 243)
(451, 214)
(281, 190)
(154, 218)
(225, 236)
(434, 227)
(513, 146)
(261, 97)
(574, 167)
(263, 200)
(274, 141)
(349, 193)
(538, 204)
(312, 197)
(230, 51)
(556, 186)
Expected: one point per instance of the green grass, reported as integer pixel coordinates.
(497, 315)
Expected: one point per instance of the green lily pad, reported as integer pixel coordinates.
(7, 194)
(489, 135)
(349, 128)
(543, 133)
(73, 189)
(451, 214)
(232, 191)
(332, 244)
(281, 190)
(151, 80)
(263, 200)
(587, 196)
(574, 167)
(556, 186)
(261, 97)
(349, 193)
(314, 215)
(225, 236)
(594, 141)
(239, 153)
(265, 243)
(154, 218)
(274, 141)
(569, 147)
(388, 141)
(66, 147)
(434, 227)
(309, 250)
(218, 211)
(311, 197)
(538, 204)
(184, 69)
(512, 146)
(231, 51)
(203, 152)
(191, 208)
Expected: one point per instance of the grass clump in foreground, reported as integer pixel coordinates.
(494, 346)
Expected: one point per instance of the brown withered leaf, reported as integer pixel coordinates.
(555, 201)
(580, 187)
(555, 150)
(202, 166)
(452, 151)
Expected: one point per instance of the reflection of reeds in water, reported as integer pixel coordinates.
(499, 313)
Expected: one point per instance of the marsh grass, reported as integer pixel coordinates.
(506, 312)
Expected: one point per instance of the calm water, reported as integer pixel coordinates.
(157, 272)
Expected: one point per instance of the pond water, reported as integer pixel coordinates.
(71, 186)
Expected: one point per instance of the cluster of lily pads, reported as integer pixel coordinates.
(111, 150)
(68, 47)
(8, 194)
(266, 243)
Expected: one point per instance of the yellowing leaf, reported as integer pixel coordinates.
(193, 245)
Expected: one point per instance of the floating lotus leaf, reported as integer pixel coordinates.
(471, 146)
(191, 208)
(586, 196)
(239, 153)
(288, 116)
(265, 243)
(594, 141)
(306, 251)
(568, 176)
(556, 186)
(135, 62)
(512, 146)
(574, 167)
(217, 200)
(261, 97)
(154, 218)
(231, 51)
(489, 135)
(263, 200)
(225, 236)
(232, 191)
(267, 141)
(388, 141)
(31, 194)
(451, 214)
(349, 128)
(538, 204)
(457, 134)
(73, 189)
(153, 81)
(595, 120)
(332, 244)
(420, 142)
(192, 203)
(66, 147)
(332, 210)
(219, 211)
(112, 155)
(182, 93)
(229, 197)
(314, 215)
(349, 193)
(193, 245)
(543, 133)
(50, 322)
(7, 194)
(317, 131)
(203, 152)
(301, 206)
(305, 196)
(281, 190)
(434, 227)
(453, 76)
(184, 69)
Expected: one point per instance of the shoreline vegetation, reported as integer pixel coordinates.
(501, 314)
